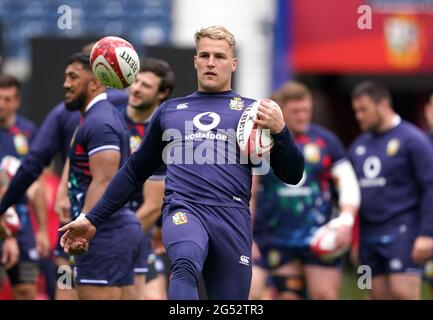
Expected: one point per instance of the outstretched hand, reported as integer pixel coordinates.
(78, 234)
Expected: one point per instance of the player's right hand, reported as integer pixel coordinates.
(10, 252)
(4, 231)
(78, 234)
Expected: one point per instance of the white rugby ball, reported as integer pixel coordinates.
(10, 165)
(252, 139)
(324, 243)
(114, 62)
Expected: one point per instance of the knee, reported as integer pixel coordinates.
(24, 292)
(406, 293)
(186, 262)
(324, 294)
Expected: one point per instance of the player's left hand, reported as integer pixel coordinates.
(11, 252)
(269, 116)
(422, 249)
(344, 225)
(344, 236)
(78, 234)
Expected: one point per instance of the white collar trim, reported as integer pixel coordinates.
(99, 97)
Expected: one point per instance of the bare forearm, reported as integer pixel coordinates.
(148, 216)
(94, 193)
(36, 195)
(40, 207)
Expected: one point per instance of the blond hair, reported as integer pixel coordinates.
(215, 33)
(294, 90)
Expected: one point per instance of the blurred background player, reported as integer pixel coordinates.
(98, 148)
(393, 162)
(57, 128)
(286, 217)
(153, 85)
(16, 134)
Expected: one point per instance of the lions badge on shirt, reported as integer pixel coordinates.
(134, 143)
(21, 144)
(179, 218)
(392, 147)
(236, 104)
(312, 153)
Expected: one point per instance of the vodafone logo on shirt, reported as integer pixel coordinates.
(206, 127)
(371, 168)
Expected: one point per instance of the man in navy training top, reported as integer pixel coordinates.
(206, 221)
(99, 146)
(393, 163)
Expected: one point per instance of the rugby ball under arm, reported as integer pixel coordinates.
(252, 139)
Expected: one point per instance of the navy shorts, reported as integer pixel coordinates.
(273, 257)
(224, 236)
(141, 265)
(389, 253)
(111, 257)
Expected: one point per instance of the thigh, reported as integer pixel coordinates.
(405, 286)
(92, 292)
(228, 268)
(323, 282)
(289, 280)
(156, 289)
(181, 224)
(139, 286)
(258, 282)
(380, 288)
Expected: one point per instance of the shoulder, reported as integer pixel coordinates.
(25, 124)
(411, 131)
(117, 97)
(58, 112)
(413, 136)
(103, 112)
(360, 140)
(324, 133)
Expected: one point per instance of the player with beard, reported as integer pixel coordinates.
(98, 148)
(392, 159)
